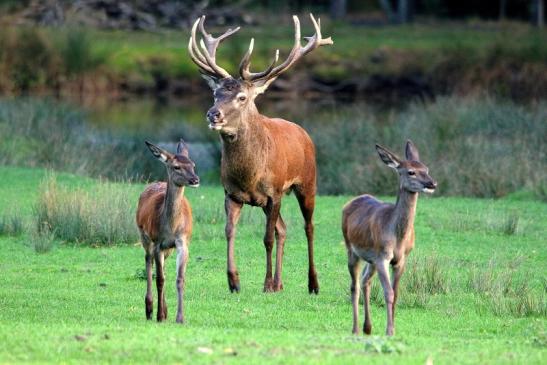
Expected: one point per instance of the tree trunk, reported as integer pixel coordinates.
(404, 11)
(540, 8)
(388, 10)
(503, 9)
(338, 9)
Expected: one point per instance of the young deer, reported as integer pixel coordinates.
(164, 218)
(262, 158)
(382, 234)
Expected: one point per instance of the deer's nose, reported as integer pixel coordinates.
(214, 115)
(194, 181)
(432, 184)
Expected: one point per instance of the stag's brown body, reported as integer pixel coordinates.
(271, 157)
(262, 158)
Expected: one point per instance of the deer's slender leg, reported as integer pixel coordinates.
(148, 300)
(280, 234)
(353, 267)
(233, 211)
(272, 214)
(382, 266)
(182, 261)
(160, 281)
(397, 273)
(306, 200)
(366, 280)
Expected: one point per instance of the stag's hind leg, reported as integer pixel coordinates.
(233, 211)
(280, 234)
(306, 200)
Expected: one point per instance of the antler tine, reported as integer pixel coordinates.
(298, 51)
(212, 42)
(206, 60)
(246, 63)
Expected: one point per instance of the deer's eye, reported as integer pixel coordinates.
(411, 173)
(242, 98)
(176, 168)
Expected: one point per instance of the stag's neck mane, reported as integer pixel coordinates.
(250, 140)
(404, 212)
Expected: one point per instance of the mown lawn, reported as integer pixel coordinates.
(78, 304)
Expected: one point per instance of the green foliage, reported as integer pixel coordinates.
(11, 224)
(473, 147)
(103, 216)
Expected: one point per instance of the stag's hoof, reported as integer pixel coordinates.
(367, 328)
(180, 319)
(268, 285)
(277, 286)
(313, 285)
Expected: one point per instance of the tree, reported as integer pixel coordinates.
(338, 9)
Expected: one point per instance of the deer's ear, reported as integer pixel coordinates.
(159, 153)
(213, 82)
(388, 157)
(182, 148)
(411, 151)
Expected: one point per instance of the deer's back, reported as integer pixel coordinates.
(365, 222)
(150, 208)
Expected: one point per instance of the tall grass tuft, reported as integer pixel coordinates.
(11, 224)
(101, 216)
(506, 291)
(42, 240)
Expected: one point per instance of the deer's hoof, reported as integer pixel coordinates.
(233, 282)
(313, 285)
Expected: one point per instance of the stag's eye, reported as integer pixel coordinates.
(176, 168)
(411, 173)
(242, 98)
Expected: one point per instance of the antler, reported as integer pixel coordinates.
(297, 52)
(204, 58)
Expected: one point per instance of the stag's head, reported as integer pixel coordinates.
(413, 174)
(234, 97)
(180, 168)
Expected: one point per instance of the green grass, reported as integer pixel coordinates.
(77, 304)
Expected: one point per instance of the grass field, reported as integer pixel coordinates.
(83, 304)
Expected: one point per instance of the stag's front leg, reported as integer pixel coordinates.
(280, 234)
(148, 301)
(272, 214)
(383, 272)
(182, 261)
(233, 211)
(160, 281)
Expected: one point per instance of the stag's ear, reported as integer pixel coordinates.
(212, 81)
(389, 158)
(411, 151)
(159, 153)
(182, 148)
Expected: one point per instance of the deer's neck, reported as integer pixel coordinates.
(404, 213)
(246, 144)
(173, 204)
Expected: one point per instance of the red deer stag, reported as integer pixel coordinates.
(262, 158)
(382, 234)
(164, 218)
